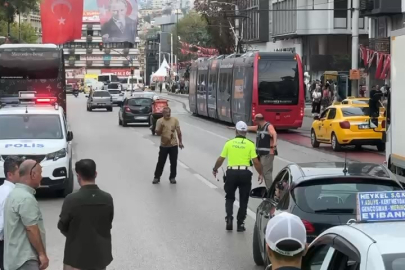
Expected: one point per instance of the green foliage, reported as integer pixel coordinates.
(28, 34)
(192, 29)
(10, 8)
(218, 17)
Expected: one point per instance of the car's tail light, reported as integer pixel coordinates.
(127, 109)
(253, 110)
(345, 124)
(45, 100)
(302, 112)
(383, 124)
(308, 226)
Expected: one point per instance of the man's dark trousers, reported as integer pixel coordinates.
(241, 179)
(1, 254)
(172, 152)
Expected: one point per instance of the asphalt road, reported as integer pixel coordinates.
(163, 226)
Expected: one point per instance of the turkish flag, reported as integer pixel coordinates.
(61, 20)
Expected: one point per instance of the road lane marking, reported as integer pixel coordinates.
(212, 133)
(182, 165)
(250, 213)
(205, 181)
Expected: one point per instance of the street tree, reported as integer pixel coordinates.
(220, 20)
(11, 8)
(191, 29)
(28, 34)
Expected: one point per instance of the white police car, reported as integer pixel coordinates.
(375, 241)
(38, 130)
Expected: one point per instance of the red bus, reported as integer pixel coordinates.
(235, 88)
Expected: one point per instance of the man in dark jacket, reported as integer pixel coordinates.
(86, 221)
(120, 28)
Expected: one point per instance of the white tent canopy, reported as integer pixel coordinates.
(165, 64)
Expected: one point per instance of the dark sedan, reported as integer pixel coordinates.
(135, 110)
(321, 194)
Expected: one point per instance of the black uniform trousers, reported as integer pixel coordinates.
(172, 152)
(1, 255)
(242, 180)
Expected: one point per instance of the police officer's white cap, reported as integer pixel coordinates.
(286, 234)
(241, 126)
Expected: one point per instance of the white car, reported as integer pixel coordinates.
(39, 132)
(373, 244)
(116, 93)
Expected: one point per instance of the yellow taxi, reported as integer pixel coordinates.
(341, 125)
(355, 101)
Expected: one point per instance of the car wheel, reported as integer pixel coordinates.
(358, 147)
(381, 147)
(257, 254)
(267, 261)
(68, 186)
(335, 143)
(119, 121)
(110, 109)
(88, 108)
(124, 123)
(314, 141)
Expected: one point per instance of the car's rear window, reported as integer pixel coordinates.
(362, 102)
(355, 111)
(113, 86)
(331, 197)
(140, 102)
(394, 261)
(113, 92)
(101, 94)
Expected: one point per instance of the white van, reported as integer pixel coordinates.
(137, 82)
(107, 78)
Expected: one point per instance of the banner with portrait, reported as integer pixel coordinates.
(118, 20)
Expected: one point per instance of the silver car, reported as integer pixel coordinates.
(99, 100)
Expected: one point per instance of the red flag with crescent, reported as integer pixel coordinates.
(61, 20)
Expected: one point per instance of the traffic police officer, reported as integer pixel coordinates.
(241, 153)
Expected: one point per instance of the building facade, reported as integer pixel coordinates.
(34, 19)
(151, 56)
(82, 56)
(384, 16)
(319, 31)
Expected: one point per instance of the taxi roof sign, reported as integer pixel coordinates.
(381, 206)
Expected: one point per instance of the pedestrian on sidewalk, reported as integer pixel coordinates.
(168, 128)
(286, 242)
(316, 100)
(86, 221)
(24, 231)
(241, 155)
(266, 146)
(11, 167)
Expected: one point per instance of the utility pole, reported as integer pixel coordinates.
(171, 51)
(160, 48)
(355, 44)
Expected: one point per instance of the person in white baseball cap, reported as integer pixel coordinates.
(241, 155)
(286, 239)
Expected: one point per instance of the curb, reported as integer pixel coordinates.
(177, 95)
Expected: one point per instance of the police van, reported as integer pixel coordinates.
(36, 128)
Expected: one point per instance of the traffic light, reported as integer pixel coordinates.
(100, 46)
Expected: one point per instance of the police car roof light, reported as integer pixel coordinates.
(380, 206)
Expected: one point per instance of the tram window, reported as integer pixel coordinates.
(222, 81)
(229, 83)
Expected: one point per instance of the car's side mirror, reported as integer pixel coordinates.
(317, 118)
(69, 136)
(258, 193)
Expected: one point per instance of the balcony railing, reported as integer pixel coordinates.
(376, 8)
(379, 44)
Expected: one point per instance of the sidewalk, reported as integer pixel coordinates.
(307, 111)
